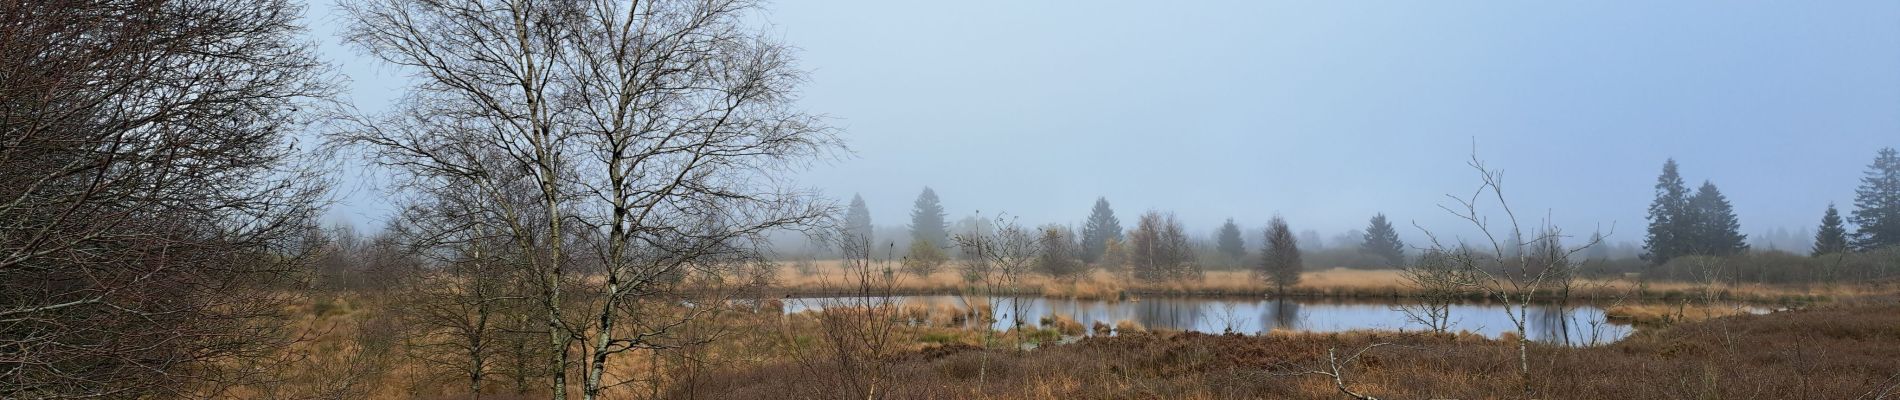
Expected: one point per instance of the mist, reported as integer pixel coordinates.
(1323, 113)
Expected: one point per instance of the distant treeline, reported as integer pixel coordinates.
(1682, 223)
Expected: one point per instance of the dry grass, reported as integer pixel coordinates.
(1662, 314)
(827, 278)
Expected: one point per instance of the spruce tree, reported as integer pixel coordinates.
(1667, 216)
(1716, 230)
(1383, 241)
(1229, 243)
(926, 220)
(1833, 237)
(857, 222)
(1280, 258)
(1101, 228)
(1877, 203)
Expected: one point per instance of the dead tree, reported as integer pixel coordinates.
(153, 202)
(653, 133)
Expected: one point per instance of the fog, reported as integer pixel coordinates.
(1323, 113)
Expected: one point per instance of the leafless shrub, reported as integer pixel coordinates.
(153, 206)
(1439, 282)
(858, 342)
(924, 259)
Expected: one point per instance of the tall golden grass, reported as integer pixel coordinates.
(828, 278)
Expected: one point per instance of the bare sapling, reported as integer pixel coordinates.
(1500, 269)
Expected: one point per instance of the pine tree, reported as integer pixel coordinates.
(1877, 203)
(1383, 241)
(1280, 259)
(1716, 232)
(926, 220)
(1229, 243)
(857, 222)
(1101, 228)
(1833, 237)
(1667, 217)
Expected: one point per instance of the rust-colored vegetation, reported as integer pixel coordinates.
(1838, 352)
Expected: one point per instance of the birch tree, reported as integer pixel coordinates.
(653, 133)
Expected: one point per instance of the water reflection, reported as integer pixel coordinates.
(1581, 325)
(1282, 314)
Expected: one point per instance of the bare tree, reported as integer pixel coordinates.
(1280, 258)
(652, 131)
(466, 290)
(1514, 278)
(1158, 249)
(1061, 257)
(153, 204)
(996, 260)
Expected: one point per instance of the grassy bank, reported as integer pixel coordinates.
(1837, 351)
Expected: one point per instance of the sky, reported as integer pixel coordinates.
(1322, 112)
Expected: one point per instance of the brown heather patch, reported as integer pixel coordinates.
(1840, 351)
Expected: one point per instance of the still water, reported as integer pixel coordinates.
(1575, 325)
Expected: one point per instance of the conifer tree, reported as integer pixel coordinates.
(1667, 219)
(927, 220)
(1832, 237)
(1383, 241)
(1229, 242)
(1101, 228)
(857, 222)
(1716, 231)
(1877, 203)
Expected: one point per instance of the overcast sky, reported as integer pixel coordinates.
(1324, 112)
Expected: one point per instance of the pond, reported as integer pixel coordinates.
(1574, 325)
